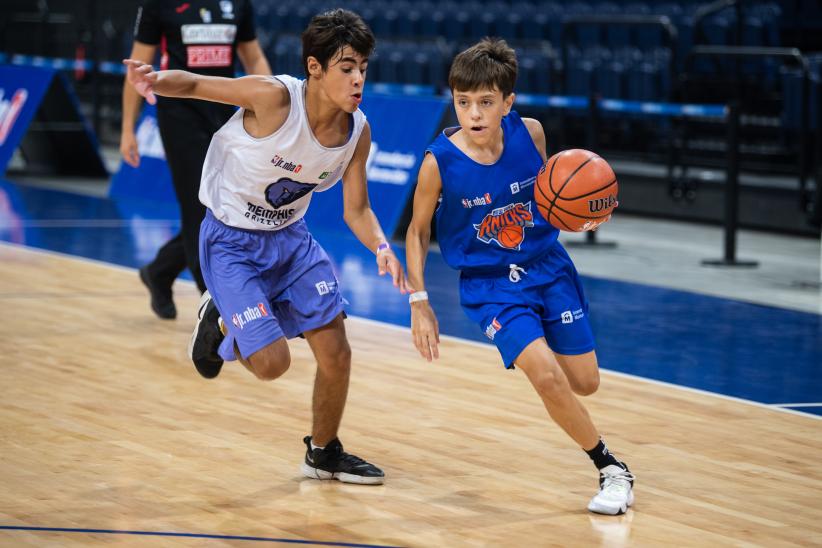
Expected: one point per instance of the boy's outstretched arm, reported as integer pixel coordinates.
(424, 327)
(249, 92)
(360, 218)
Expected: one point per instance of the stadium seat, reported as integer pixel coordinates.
(609, 80)
(643, 83)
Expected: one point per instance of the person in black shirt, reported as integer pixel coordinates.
(202, 36)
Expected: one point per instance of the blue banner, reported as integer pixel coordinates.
(21, 91)
(401, 128)
(570, 102)
(151, 180)
(664, 109)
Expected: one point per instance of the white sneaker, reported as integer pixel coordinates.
(616, 491)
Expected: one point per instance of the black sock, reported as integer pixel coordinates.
(602, 457)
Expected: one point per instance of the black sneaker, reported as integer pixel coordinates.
(161, 302)
(206, 339)
(332, 462)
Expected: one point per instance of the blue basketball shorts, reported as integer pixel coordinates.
(267, 284)
(547, 301)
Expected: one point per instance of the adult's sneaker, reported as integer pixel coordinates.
(161, 302)
(206, 339)
(331, 462)
(616, 491)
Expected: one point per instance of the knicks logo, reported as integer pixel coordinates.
(506, 225)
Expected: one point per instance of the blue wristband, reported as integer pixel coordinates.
(383, 247)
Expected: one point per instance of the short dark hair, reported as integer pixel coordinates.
(490, 63)
(331, 31)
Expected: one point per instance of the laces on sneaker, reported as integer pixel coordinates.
(614, 478)
(351, 460)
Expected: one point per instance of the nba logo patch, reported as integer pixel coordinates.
(492, 329)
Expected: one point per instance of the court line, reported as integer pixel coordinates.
(772, 407)
(191, 535)
(809, 404)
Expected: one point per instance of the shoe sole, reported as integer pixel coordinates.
(316, 473)
(610, 510)
(200, 311)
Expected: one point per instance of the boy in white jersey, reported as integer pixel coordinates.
(525, 295)
(266, 275)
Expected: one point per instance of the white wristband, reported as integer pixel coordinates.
(418, 296)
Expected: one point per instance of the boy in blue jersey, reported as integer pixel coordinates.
(516, 280)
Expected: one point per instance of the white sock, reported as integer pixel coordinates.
(316, 446)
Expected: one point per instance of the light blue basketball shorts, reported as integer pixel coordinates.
(267, 284)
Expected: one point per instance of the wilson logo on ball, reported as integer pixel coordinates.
(576, 190)
(600, 204)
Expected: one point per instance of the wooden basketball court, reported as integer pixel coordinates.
(105, 426)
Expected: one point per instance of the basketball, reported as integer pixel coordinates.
(576, 190)
(510, 236)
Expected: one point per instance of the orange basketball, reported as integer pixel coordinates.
(576, 190)
(510, 236)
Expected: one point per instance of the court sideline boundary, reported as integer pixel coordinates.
(771, 407)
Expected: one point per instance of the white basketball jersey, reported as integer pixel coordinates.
(266, 183)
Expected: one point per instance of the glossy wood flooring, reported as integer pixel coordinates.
(105, 425)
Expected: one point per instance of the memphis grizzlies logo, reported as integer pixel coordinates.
(286, 191)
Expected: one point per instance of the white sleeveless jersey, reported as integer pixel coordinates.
(266, 183)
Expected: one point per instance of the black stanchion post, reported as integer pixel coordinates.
(96, 94)
(731, 194)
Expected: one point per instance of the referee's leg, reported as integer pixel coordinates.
(186, 146)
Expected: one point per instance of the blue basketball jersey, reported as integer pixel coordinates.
(488, 218)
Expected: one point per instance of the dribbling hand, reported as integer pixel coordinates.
(142, 77)
(425, 330)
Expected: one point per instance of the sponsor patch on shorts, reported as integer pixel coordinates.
(492, 329)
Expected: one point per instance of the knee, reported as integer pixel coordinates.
(586, 386)
(551, 383)
(268, 371)
(337, 361)
(269, 365)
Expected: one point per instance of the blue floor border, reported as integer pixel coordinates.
(191, 535)
(762, 354)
